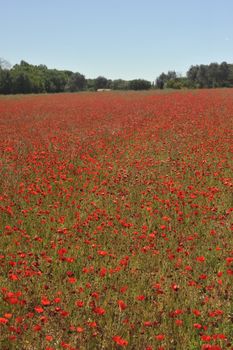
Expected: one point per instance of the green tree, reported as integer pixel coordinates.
(90, 84)
(161, 81)
(224, 72)
(192, 75)
(21, 83)
(101, 83)
(120, 84)
(139, 84)
(55, 80)
(177, 83)
(171, 75)
(27, 78)
(5, 81)
(76, 82)
(213, 75)
(202, 76)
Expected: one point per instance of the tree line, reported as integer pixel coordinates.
(213, 75)
(26, 78)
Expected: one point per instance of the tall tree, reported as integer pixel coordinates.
(139, 84)
(5, 81)
(76, 82)
(120, 84)
(213, 75)
(192, 75)
(171, 75)
(224, 72)
(202, 76)
(101, 83)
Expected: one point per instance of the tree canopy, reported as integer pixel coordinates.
(139, 84)
(199, 76)
(24, 78)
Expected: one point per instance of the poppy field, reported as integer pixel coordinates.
(116, 221)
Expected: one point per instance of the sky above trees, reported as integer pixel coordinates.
(118, 39)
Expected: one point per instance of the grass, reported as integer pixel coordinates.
(116, 225)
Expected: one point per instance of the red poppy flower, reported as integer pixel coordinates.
(120, 341)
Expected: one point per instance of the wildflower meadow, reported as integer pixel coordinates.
(116, 221)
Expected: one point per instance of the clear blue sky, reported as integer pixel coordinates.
(117, 38)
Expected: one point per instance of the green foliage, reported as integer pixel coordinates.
(90, 85)
(210, 76)
(76, 82)
(5, 81)
(177, 83)
(27, 78)
(163, 79)
(201, 76)
(101, 83)
(139, 84)
(24, 78)
(56, 80)
(120, 84)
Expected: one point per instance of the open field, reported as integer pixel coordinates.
(116, 221)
